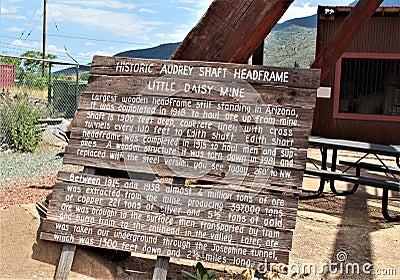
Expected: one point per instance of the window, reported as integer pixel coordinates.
(367, 86)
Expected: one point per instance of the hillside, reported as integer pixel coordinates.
(310, 22)
(290, 45)
(289, 42)
(163, 51)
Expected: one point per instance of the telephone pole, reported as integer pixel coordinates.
(44, 38)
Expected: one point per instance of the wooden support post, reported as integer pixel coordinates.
(231, 33)
(68, 250)
(337, 45)
(161, 268)
(65, 262)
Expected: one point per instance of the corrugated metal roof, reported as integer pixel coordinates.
(329, 12)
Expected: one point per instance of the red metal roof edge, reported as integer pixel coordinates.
(394, 9)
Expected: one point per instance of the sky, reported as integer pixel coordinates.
(79, 29)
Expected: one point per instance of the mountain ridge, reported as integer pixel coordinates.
(163, 51)
(310, 22)
(291, 43)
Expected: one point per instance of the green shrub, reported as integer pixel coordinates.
(84, 76)
(19, 123)
(201, 273)
(34, 81)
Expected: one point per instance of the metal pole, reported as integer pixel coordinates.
(49, 87)
(44, 38)
(77, 87)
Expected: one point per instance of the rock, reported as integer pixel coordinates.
(56, 134)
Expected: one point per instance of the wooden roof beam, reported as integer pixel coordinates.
(357, 18)
(231, 31)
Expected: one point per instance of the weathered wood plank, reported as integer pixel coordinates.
(188, 195)
(92, 207)
(75, 229)
(232, 173)
(124, 133)
(65, 262)
(266, 94)
(279, 156)
(229, 111)
(127, 187)
(208, 121)
(181, 225)
(211, 251)
(227, 165)
(229, 137)
(238, 73)
(231, 34)
(135, 184)
(161, 268)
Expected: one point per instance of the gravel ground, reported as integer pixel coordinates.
(29, 178)
(19, 168)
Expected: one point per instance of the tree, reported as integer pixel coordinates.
(30, 71)
(35, 66)
(14, 61)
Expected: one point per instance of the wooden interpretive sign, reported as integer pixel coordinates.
(240, 132)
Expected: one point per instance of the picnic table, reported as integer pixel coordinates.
(391, 182)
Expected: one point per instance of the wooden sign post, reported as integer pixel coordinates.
(240, 132)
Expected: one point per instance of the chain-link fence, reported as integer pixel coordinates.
(32, 86)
